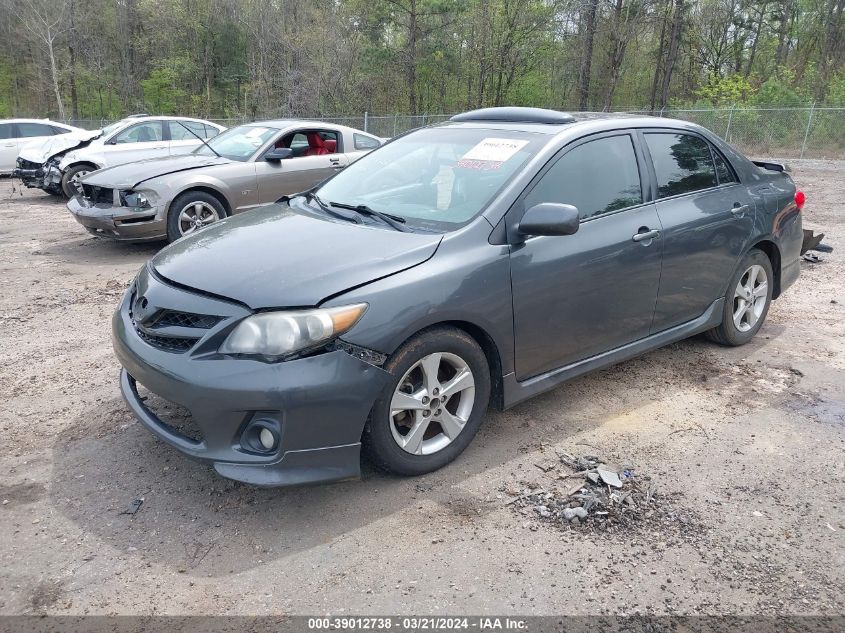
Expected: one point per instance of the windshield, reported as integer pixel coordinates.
(111, 128)
(435, 177)
(239, 143)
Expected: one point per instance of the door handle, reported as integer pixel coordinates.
(645, 234)
(739, 209)
(9, 145)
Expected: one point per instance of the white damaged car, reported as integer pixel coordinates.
(56, 164)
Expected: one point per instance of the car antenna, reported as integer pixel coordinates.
(202, 140)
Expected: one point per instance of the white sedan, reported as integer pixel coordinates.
(15, 133)
(56, 165)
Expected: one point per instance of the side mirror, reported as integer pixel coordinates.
(549, 218)
(278, 153)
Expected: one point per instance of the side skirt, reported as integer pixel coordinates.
(516, 391)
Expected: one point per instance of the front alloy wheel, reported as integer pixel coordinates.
(196, 215)
(432, 405)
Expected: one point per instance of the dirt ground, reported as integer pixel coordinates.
(746, 444)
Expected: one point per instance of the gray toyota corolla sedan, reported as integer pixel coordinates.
(482, 260)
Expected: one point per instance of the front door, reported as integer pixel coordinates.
(707, 216)
(580, 295)
(137, 142)
(314, 159)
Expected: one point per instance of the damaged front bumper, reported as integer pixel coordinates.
(107, 219)
(45, 176)
(314, 406)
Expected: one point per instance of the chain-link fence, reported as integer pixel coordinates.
(812, 132)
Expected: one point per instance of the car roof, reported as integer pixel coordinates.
(34, 121)
(582, 123)
(283, 124)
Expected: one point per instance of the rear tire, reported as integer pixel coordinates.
(192, 211)
(442, 376)
(70, 179)
(747, 301)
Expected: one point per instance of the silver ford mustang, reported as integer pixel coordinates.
(242, 168)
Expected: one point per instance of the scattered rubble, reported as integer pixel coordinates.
(605, 498)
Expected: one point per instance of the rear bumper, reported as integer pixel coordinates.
(118, 223)
(317, 406)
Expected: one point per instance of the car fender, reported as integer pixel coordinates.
(466, 281)
(81, 155)
(201, 181)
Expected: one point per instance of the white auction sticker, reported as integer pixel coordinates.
(496, 150)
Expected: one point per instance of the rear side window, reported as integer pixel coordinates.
(59, 130)
(365, 142)
(28, 130)
(597, 177)
(683, 163)
(179, 133)
(211, 131)
(723, 169)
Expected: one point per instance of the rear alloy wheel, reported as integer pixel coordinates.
(191, 212)
(430, 411)
(71, 185)
(747, 300)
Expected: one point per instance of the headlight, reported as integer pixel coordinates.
(137, 199)
(277, 334)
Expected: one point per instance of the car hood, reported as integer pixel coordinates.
(275, 257)
(40, 151)
(129, 175)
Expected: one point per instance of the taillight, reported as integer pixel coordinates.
(800, 199)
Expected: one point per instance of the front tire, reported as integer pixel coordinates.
(747, 301)
(70, 179)
(192, 211)
(432, 407)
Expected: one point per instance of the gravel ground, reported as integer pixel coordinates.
(745, 445)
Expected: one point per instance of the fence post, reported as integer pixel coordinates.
(366, 120)
(730, 119)
(395, 120)
(807, 131)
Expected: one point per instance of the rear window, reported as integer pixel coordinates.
(683, 163)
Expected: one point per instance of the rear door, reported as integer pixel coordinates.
(181, 139)
(301, 171)
(707, 218)
(580, 295)
(8, 147)
(137, 142)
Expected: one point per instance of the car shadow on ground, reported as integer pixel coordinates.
(106, 459)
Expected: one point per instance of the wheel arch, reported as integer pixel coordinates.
(204, 189)
(487, 344)
(773, 253)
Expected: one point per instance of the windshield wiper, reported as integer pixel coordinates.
(395, 221)
(310, 195)
(202, 140)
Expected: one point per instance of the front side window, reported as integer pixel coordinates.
(28, 130)
(148, 132)
(598, 177)
(436, 178)
(683, 163)
(239, 143)
(5, 130)
(310, 143)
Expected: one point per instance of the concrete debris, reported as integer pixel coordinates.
(605, 497)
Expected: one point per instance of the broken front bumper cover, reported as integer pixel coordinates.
(813, 242)
(34, 176)
(316, 405)
(117, 222)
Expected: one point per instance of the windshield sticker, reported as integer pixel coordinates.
(494, 150)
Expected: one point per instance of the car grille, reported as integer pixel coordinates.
(186, 319)
(156, 329)
(98, 194)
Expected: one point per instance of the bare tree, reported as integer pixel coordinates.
(47, 21)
